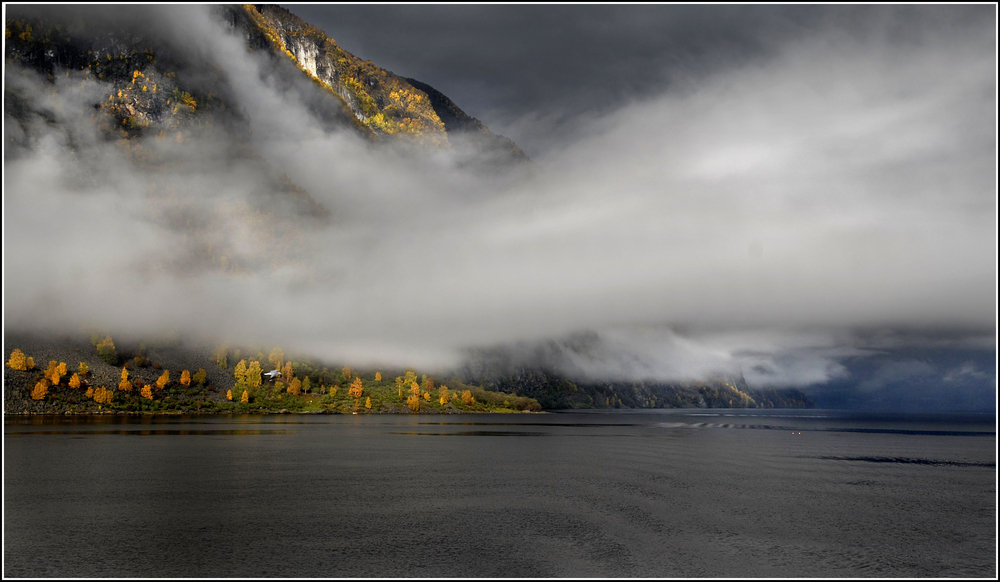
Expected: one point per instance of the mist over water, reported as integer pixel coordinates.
(831, 203)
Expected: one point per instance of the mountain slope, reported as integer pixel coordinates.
(152, 85)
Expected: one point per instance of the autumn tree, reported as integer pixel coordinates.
(240, 372)
(245, 398)
(287, 373)
(444, 395)
(253, 374)
(163, 380)
(106, 351)
(199, 377)
(399, 386)
(29, 362)
(306, 384)
(221, 357)
(83, 369)
(368, 403)
(277, 358)
(229, 394)
(103, 396)
(41, 390)
(428, 383)
(295, 387)
(74, 381)
(147, 392)
(413, 402)
(356, 388)
(18, 361)
(378, 376)
(185, 378)
(467, 398)
(427, 396)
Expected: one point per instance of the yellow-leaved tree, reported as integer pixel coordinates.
(147, 392)
(413, 402)
(378, 376)
(103, 396)
(295, 387)
(444, 395)
(253, 374)
(83, 369)
(277, 358)
(241, 371)
(467, 398)
(368, 403)
(185, 378)
(74, 381)
(18, 361)
(163, 380)
(245, 398)
(229, 394)
(29, 362)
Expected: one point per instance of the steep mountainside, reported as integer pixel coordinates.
(151, 86)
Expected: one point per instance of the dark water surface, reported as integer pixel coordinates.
(602, 494)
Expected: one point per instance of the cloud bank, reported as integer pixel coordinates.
(762, 220)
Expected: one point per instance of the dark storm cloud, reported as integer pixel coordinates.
(533, 72)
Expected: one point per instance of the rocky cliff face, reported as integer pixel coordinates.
(145, 93)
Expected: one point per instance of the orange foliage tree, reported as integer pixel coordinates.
(147, 392)
(186, 378)
(356, 388)
(444, 395)
(229, 394)
(378, 376)
(163, 380)
(295, 388)
(103, 396)
(74, 381)
(41, 390)
(245, 398)
(368, 403)
(467, 398)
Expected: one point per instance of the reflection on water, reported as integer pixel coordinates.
(909, 461)
(151, 432)
(608, 494)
